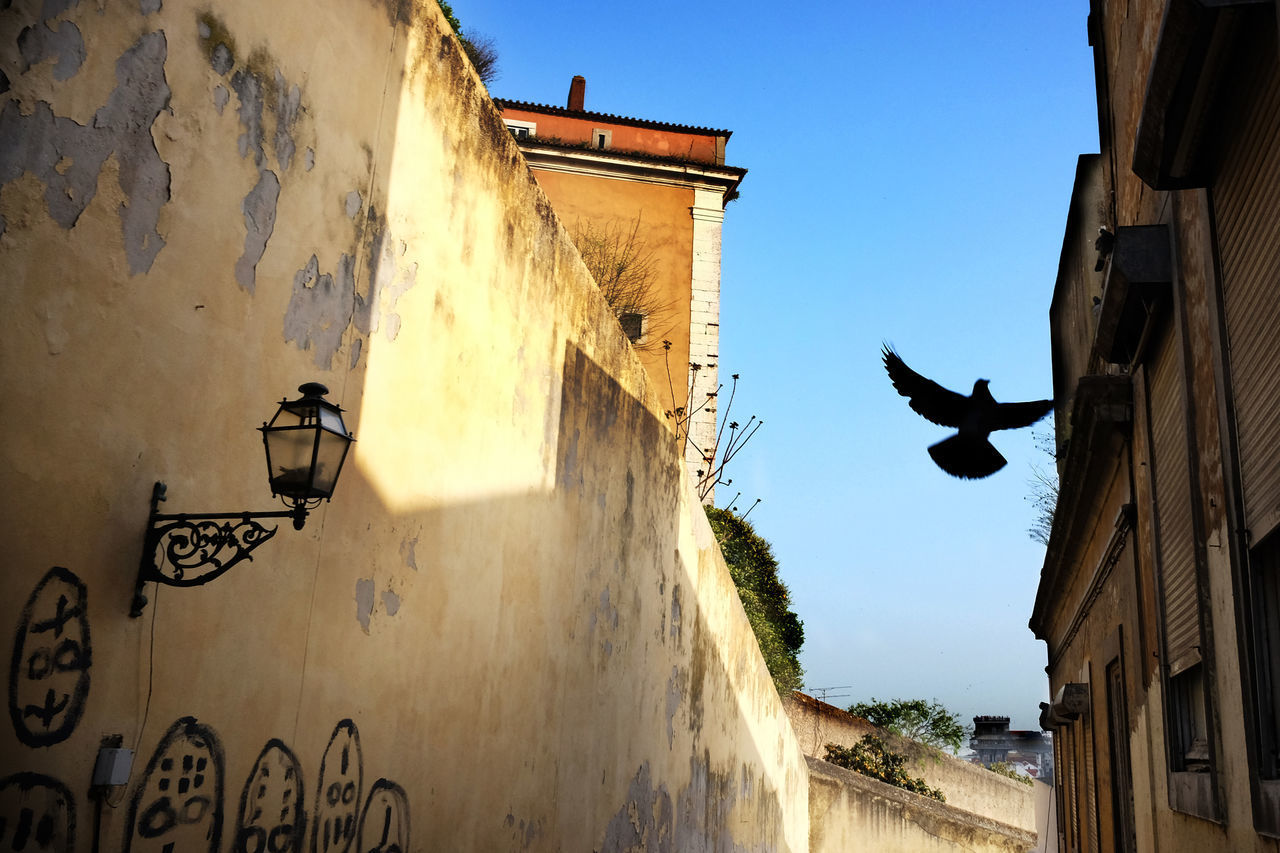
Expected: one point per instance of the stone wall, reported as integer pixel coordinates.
(849, 811)
(510, 630)
(966, 786)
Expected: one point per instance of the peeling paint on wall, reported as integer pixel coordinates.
(320, 309)
(389, 280)
(605, 617)
(51, 9)
(149, 7)
(248, 89)
(68, 157)
(364, 602)
(390, 602)
(675, 614)
(354, 203)
(524, 832)
(408, 550)
(288, 105)
(64, 44)
(645, 821)
(256, 95)
(675, 697)
(259, 208)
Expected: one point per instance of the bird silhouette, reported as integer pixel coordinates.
(968, 453)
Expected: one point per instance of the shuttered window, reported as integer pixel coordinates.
(1246, 199)
(1174, 534)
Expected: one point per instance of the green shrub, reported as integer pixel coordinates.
(872, 757)
(779, 632)
(1005, 769)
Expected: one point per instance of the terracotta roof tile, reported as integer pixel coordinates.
(547, 109)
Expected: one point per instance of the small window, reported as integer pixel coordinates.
(1264, 560)
(601, 138)
(632, 325)
(1189, 744)
(521, 129)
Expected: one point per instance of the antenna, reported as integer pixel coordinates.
(824, 693)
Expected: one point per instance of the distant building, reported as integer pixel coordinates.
(1029, 751)
(1159, 599)
(669, 184)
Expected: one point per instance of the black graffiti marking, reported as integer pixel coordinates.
(67, 657)
(182, 786)
(338, 791)
(274, 784)
(51, 646)
(60, 619)
(387, 809)
(37, 813)
(50, 709)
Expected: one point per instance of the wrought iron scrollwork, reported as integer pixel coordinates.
(190, 549)
(197, 550)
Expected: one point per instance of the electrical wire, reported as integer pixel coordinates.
(146, 709)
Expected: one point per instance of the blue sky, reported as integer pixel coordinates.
(910, 165)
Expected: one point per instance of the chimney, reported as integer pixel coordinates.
(577, 92)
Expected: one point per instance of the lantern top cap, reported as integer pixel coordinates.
(313, 390)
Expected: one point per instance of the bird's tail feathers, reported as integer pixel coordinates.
(969, 458)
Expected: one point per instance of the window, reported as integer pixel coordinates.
(521, 129)
(601, 138)
(633, 326)
(1265, 562)
(1189, 740)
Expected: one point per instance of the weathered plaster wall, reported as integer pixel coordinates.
(661, 217)
(510, 630)
(966, 786)
(849, 811)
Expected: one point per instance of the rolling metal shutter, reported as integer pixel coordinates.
(1246, 199)
(1171, 471)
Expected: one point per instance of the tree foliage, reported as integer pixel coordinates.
(754, 569)
(1044, 485)
(626, 270)
(479, 49)
(927, 722)
(872, 757)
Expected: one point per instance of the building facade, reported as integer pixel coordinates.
(658, 190)
(1158, 596)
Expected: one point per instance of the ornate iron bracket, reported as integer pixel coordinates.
(191, 549)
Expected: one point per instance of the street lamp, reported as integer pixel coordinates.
(306, 443)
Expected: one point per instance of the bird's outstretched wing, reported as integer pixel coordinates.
(1017, 415)
(928, 398)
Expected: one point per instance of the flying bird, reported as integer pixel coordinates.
(968, 453)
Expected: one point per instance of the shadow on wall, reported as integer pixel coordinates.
(580, 671)
(535, 670)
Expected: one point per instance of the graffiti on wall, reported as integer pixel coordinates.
(338, 792)
(271, 813)
(177, 803)
(49, 673)
(37, 814)
(384, 824)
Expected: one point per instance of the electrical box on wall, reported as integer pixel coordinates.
(113, 766)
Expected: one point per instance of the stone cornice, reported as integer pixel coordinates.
(601, 163)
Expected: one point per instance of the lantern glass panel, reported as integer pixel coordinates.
(331, 420)
(290, 452)
(330, 455)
